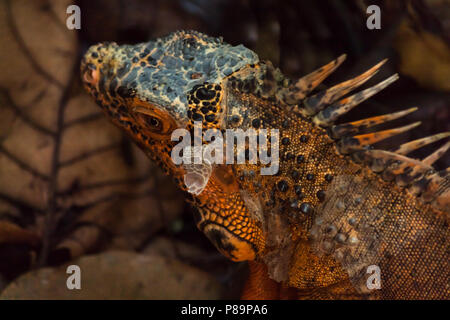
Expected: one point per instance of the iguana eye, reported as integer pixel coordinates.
(153, 123)
(153, 120)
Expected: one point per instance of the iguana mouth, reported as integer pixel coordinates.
(228, 243)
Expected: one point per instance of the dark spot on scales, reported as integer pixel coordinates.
(256, 123)
(320, 195)
(304, 138)
(235, 119)
(285, 141)
(210, 117)
(289, 156)
(306, 208)
(282, 186)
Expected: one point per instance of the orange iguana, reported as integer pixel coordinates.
(336, 208)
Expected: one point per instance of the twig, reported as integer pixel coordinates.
(23, 165)
(88, 154)
(90, 117)
(107, 183)
(26, 51)
(25, 118)
(50, 217)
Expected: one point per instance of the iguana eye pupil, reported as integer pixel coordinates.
(153, 122)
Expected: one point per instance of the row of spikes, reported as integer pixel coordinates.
(325, 107)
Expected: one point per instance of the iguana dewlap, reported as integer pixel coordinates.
(336, 206)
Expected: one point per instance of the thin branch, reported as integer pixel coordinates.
(25, 118)
(38, 97)
(118, 195)
(55, 18)
(22, 164)
(81, 120)
(50, 216)
(19, 203)
(26, 51)
(107, 183)
(88, 154)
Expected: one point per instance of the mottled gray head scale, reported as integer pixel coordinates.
(163, 71)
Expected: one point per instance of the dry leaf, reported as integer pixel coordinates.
(66, 173)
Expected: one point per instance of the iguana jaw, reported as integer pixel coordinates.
(228, 244)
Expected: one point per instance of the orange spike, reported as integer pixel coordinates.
(405, 170)
(419, 143)
(317, 102)
(346, 129)
(307, 83)
(330, 114)
(374, 137)
(432, 158)
(387, 156)
(351, 144)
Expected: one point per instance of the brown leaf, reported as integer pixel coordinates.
(64, 172)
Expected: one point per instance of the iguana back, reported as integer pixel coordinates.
(326, 211)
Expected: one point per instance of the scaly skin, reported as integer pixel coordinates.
(335, 206)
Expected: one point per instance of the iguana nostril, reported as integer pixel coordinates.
(91, 74)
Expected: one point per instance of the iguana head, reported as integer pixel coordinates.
(150, 89)
(160, 74)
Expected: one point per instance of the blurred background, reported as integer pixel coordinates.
(75, 190)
